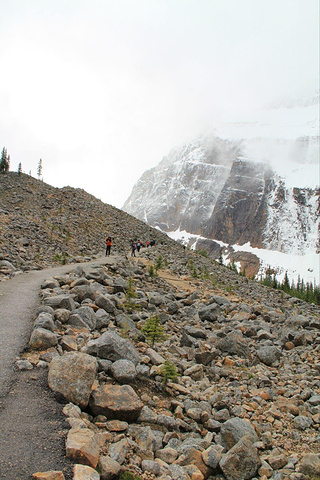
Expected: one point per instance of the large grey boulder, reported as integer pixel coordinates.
(119, 285)
(195, 332)
(234, 343)
(144, 438)
(6, 266)
(50, 283)
(108, 467)
(178, 473)
(234, 429)
(150, 466)
(241, 462)
(83, 447)
(269, 355)
(103, 301)
(212, 456)
(83, 317)
(298, 321)
(302, 422)
(118, 451)
(84, 472)
(128, 325)
(205, 357)
(116, 402)
(310, 465)
(60, 301)
(62, 315)
(96, 273)
(102, 319)
(112, 347)
(81, 292)
(73, 375)
(44, 320)
(210, 313)
(124, 371)
(41, 339)
(223, 301)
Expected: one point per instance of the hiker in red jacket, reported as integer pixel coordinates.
(108, 246)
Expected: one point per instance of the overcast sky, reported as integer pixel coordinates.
(101, 90)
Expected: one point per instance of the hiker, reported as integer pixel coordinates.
(138, 245)
(148, 243)
(133, 249)
(108, 246)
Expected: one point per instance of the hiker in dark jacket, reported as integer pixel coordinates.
(133, 249)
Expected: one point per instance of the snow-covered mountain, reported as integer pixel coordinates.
(261, 191)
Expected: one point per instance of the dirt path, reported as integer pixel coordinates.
(32, 428)
(174, 280)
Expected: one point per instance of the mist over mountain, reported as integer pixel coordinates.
(256, 191)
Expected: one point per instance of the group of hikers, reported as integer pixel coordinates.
(135, 246)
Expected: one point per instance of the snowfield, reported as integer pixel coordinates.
(307, 267)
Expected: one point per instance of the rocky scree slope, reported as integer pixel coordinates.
(40, 224)
(246, 402)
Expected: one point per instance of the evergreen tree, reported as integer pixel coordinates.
(39, 171)
(274, 281)
(286, 283)
(153, 330)
(168, 371)
(4, 163)
(19, 169)
(305, 291)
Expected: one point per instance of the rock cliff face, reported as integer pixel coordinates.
(208, 188)
(183, 189)
(240, 213)
(292, 224)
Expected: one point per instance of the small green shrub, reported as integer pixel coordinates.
(195, 273)
(129, 304)
(61, 258)
(214, 280)
(159, 263)
(129, 476)
(130, 292)
(205, 273)
(168, 371)
(152, 271)
(190, 264)
(153, 330)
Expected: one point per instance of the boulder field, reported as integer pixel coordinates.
(228, 389)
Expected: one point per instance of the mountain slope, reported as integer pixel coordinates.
(39, 224)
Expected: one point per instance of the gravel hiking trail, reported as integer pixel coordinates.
(32, 426)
